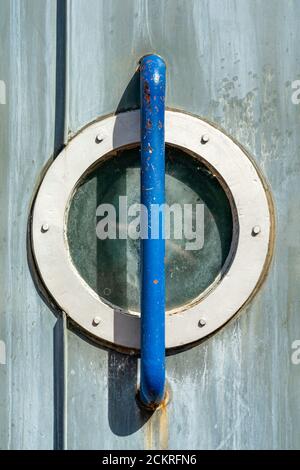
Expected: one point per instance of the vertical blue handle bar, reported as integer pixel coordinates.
(152, 89)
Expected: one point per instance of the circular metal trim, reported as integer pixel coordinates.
(238, 283)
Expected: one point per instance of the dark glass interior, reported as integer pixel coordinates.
(111, 267)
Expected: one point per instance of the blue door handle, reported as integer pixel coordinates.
(152, 90)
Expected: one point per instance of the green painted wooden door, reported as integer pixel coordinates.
(63, 64)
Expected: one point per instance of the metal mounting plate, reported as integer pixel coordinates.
(251, 247)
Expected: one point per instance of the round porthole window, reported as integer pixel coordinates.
(111, 266)
(211, 270)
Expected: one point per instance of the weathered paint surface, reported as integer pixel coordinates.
(231, 61)
(152, 183)
(27, 65)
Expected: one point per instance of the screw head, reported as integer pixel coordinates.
(45, 228)
(204, 139)
(202, 322)
(99, 138)
(256, 230)
(96, 321)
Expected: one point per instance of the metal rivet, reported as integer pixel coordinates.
(202, 322)
(96, 321)
(204, 139)
(99, 138)
(256, 230)
(45, 228)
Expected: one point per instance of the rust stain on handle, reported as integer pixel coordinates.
(157, 428)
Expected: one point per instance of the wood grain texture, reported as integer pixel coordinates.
(27, 123)
(231, 61)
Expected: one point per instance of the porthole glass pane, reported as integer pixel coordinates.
(111, 266)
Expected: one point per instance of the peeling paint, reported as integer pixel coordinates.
(232, 62)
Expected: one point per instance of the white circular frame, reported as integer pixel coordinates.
(253, 213)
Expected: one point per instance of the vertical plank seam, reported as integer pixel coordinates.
(65, 381)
